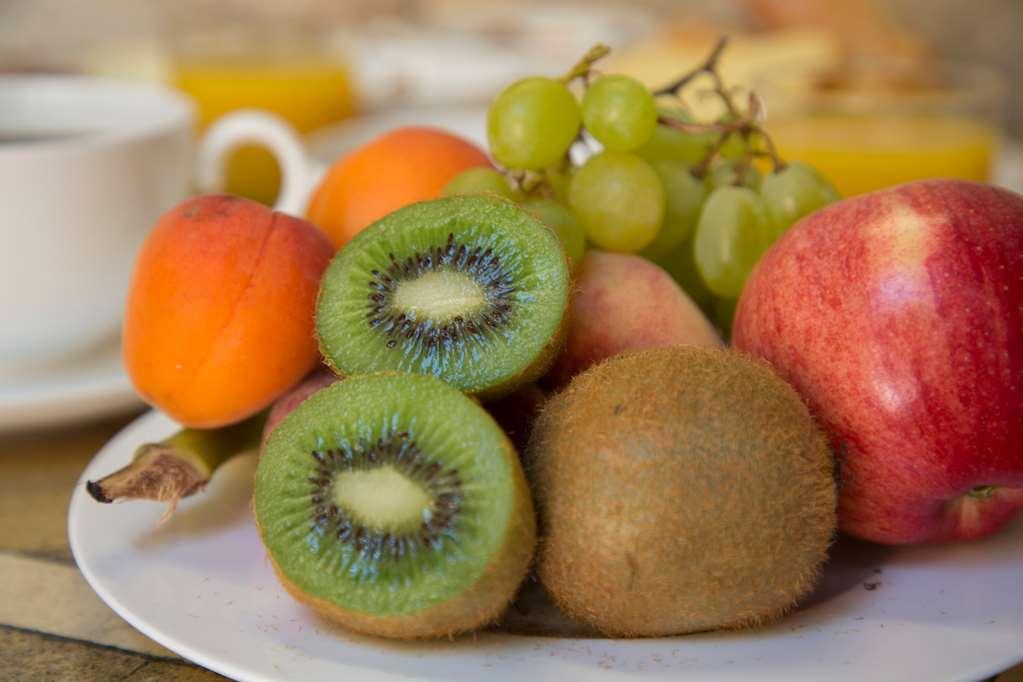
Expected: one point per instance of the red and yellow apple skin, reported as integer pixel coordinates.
(898, 316)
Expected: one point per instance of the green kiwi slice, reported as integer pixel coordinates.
(395, 505)
(470, 289)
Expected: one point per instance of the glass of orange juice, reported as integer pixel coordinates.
(874, 124)
(272, 70)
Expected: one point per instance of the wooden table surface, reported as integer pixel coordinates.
(52, 625)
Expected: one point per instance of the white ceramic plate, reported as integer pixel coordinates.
(87, 385)
(201, 586)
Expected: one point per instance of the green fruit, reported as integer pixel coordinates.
(560, 219)
(479, 180)
(470, 289)
(680, 264)
(619, 200)
(731, 235)
(532, 123)
(670, 144)
(726, 174)
(396, 506)
(793, 192)
(680, 489)
(619, 112)
(684, 194)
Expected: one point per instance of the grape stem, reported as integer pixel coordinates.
(709, 66)
(743, 124)
(583, 66)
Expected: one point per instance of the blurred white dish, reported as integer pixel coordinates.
(83, 386)
(200, 584)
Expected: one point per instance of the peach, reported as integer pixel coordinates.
(219, 320)
(319, 378)
(624, 302)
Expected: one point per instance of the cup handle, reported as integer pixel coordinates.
(253, 126)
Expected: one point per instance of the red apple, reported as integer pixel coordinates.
(899, 317)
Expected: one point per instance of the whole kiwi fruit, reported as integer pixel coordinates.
(680, 489)
(395, 505)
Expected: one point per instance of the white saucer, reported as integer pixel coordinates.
(84, 386)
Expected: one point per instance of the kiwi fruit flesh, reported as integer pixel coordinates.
(680, 489)
(471, 289)
(395, 505)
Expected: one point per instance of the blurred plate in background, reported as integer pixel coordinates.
(85, 386)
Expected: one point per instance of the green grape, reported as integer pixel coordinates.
(725, 174)
(683, 197)
(733, 232)
(681, 265)
(559, 181)
(619, 200)
(564, 224)
(480, 180)
(793, 192)
(671, 144)
(619, 112)
(532, 123)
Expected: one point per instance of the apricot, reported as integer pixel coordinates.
(623, 302)
(219, 319)
(398, 168)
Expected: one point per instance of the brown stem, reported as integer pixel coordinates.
(178, 466)
(583, 66)
(157, 473)
(709, 65)
(743, 124)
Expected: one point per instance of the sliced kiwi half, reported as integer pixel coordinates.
(471, 289)
(395, 505)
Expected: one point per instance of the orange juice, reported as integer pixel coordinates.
(308, 93)
(863, 152)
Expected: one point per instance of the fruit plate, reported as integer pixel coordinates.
(200, 584)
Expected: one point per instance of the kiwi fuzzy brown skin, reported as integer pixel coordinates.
(680, 490)
(492, 590)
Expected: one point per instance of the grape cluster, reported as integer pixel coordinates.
(703, 200)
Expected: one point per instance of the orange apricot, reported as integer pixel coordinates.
(219, 320)
(398, 168)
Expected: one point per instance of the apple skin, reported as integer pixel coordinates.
(898, 316)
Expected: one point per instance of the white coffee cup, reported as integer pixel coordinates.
(87, 166)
